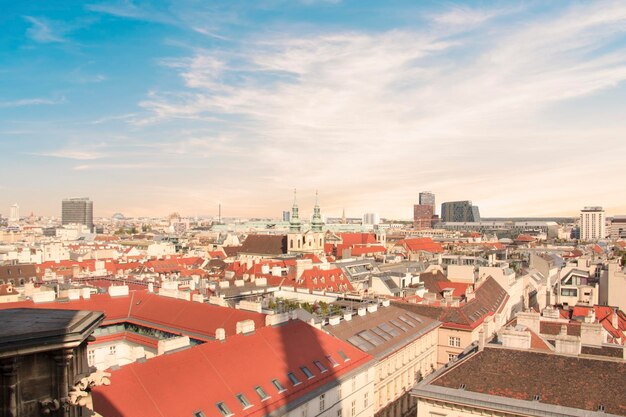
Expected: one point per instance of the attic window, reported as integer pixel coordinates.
(243, 401)
(198, 414)
(224, 409)
(307, 372)
(343, 355)
(259, 390)
(536, 397)
(293, 378)
(332, 361)
(462, 386)
(279, 387)
(320, 366)
(601, 408)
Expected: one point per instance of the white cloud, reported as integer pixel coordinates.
(403, 110)
(42, 30)
(38, 101)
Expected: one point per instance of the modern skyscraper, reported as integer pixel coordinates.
(14, 213)
(77, 210)
(427, 198)
(459, 211)
(592, 223)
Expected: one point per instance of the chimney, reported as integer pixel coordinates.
(615, 319)
(481, 340)
(150, 287)
(361, 311)
(347, 316)
(220, 334)
(386, 303)
(372, 308)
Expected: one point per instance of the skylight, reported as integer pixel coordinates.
(332, 361)
(343, 355)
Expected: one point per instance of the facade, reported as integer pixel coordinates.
(299, 371)
(613, 286)
(427, 198)
(423, 216)
(77, 211)
(459, 211)
(43, 361)
(592, 223)
(618, 227)
(404, 346)
(535, 228)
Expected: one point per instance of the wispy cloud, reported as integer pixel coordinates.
(38, 101)
(117, 166)
(132, 10)
(44, 31)
(73, 154)
(403, 100)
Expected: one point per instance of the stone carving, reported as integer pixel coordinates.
(81, 390)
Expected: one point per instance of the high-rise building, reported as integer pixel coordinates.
(459, 211)
(286, 215)
(618, 227)
(371, 218)
(14, 213)
(77, 210)
(592, 223)
(427, 198)
(423, 216)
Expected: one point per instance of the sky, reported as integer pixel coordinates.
(151, 107)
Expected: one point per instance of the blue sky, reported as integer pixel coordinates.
(154, 107)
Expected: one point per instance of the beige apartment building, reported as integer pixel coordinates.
(404, 345)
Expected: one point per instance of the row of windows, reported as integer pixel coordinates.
(408, 354)
(293, 378)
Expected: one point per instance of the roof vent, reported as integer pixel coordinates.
(537, 397)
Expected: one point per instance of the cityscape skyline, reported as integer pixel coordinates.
(151, 108)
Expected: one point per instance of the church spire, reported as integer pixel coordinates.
(294, 223)
(316, 222)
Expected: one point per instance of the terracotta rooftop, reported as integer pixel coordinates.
(586, 383)
(264, 245)
(199, 378)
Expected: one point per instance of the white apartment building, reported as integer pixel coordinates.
(592, 223)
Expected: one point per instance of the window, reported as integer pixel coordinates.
(224, 409)
(339, 392)
(365, 400)
(322, 402)
(569, 292)
(451, 357)
(259, 390)
(353, 383)
(198, 414)
(353, 408)
(339, 413)
(319, 365)
(293, 378)
(279, 387)
(112, 350)
(91, 356)
(454, 341)
(343, 356)
(305, 409)
(307, 372)
(243, 401)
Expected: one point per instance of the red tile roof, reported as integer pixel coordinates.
(357, 238)
(198, 378)
(421, 244)
(197, 320)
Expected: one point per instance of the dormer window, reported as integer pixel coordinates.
(243, 401)
(259, 390)
(224, 410)
(307, 372)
